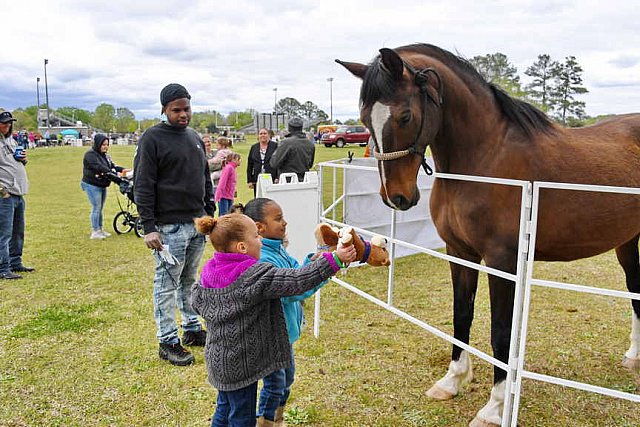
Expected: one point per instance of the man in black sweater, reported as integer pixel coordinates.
(171, 188)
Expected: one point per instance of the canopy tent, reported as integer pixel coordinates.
(71, 132)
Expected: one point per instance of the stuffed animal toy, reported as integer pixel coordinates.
(373, 253)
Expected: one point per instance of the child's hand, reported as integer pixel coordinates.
(346, 254)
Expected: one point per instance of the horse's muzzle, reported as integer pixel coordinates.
(400, 202)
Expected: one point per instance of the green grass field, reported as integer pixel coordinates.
(78, 346)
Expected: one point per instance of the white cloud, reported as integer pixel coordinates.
(231, 54)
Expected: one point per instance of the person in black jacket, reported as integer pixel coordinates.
(295, 153)
(259, 158)
(97, 167)
(172, 186)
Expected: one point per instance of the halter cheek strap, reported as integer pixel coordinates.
(421, 79)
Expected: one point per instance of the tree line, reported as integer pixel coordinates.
(554, 88)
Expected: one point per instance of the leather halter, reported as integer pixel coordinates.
(421, 79)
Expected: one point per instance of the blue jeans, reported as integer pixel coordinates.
(97, 196)
(172, 283)
(236, 408)
(276, 388)
(223, 206)
(11, 232)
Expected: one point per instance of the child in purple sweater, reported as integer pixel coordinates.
(239, 298)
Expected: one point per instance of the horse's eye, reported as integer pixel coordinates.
(405, 117)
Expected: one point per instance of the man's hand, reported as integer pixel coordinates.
(153, 241)
(252, 185)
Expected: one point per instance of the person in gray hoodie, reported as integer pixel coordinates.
(13, 186)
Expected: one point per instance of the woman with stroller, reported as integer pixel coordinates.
(97, 174)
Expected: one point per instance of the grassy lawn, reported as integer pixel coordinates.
(78, 346)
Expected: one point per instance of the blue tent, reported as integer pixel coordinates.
(70, 132)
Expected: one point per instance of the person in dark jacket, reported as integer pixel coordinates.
(98, 171)
(259, 158)
(295, 153)
(172, 186)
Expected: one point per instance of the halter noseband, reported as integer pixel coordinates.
(421, 78)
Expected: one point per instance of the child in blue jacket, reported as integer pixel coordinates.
(272, 227)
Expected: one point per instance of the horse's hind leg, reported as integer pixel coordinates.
(465, 284)
(628, 257)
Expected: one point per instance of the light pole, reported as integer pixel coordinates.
(46, 91)
(330, 80)
(275, 99)
(38, 91)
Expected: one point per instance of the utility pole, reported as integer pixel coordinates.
(275, 100)
(330, 80)
(38, 91)
(46, 92)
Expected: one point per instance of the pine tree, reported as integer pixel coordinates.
(542, 73)
(567, 83)
(496, 69)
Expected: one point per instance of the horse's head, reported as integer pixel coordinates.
(401, 107)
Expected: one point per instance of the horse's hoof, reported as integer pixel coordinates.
(476, 422)
(437, 393)
(633, 364)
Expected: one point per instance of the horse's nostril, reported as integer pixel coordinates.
(401, 202)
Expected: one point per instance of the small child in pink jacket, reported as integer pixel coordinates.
(225, 192)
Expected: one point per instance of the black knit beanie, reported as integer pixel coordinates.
(171, 92)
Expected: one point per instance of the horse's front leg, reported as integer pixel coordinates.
(465, 284)
(628, 258)
(501, 294)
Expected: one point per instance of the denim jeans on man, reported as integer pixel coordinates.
(276, 388)
(11, 232)
(97, 196)
(236, 408)
(172, 283)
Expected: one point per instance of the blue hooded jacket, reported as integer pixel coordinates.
(274, 253)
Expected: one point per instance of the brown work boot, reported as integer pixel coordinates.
(280, 417)
(263, 422)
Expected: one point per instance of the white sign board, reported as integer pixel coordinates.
(300, 204)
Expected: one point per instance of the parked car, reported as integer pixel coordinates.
(346, 135)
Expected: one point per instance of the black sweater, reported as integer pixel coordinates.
(171, 177)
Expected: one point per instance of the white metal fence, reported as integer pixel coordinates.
(523, 278)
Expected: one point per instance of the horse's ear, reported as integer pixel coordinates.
(392, 62)
(358, 70)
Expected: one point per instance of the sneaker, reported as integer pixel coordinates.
(96, 234)
(23, 269)
(195, 338)
(104, 233)
(10, 275)
(175, 354)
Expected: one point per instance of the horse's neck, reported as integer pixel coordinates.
(470, 129)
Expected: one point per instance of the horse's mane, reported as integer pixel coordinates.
(378, 84)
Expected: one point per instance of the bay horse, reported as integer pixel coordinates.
(420, 96)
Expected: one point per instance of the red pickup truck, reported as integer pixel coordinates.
(346, 135)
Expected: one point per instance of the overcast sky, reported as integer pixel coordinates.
(232, 54)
